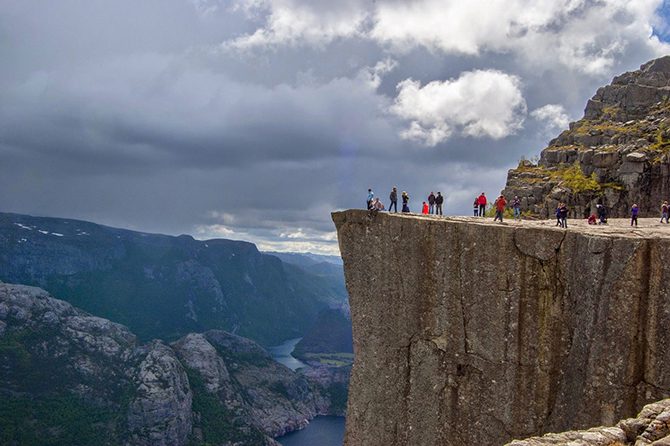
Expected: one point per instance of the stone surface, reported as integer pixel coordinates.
(622, 142)
(468, 332)
(650, 427)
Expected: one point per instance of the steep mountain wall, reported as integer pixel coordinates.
(467, 332)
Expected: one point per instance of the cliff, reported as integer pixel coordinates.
(79, 379)
(616, 155)
(467, 332)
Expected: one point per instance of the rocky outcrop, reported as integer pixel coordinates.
(650, 427)
(53, 351)
(467, 332)
(616, 155)
(210, 388)
(160, 413)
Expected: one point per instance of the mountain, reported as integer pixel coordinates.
(331, 333)
(329, 339)
(67, 377)
(616, 155)
(163, 286)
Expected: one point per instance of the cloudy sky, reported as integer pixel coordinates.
(253, 119)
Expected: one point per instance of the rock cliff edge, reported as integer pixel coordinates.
(466, 332)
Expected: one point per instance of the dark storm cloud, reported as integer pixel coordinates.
(139, 114)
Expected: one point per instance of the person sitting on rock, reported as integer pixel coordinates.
(377, 205)
(633, 214)
(664, 211)
(424, 208)
(592, 219)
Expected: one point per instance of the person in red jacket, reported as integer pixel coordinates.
(482, 204)
(500, 208)
(424, 210)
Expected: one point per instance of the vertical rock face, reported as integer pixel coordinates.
(470, 333)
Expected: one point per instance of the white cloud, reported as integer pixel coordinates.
(373, 75)
(554, 115)
(293, 22)
(583, 35)
(481, 103)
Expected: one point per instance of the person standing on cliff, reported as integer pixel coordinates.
(558, 214)
(424, 208)
(633, 215)
(482, 204)
(431, 203)
(665, 209)
(516, 205)
(475, 206)
(563, 215)
(602, 214)
(394, 199)
(438, 203)
(405, 201)
(371, 195)
(500, 204)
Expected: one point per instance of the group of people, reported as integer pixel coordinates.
(500, 204)
(432, 205)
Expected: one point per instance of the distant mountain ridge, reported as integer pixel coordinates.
(164, 286)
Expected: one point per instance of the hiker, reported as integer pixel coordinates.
(633, 214)
(371, 195)
(405, 201)
(516, 205)
(664, 211)
(602, 214)
(475, 206)
(394, 199)
(558, 213)
(431, 203)
(563, 214)
(438, 203)
(592, 219)
(377, 205)
(424, 208)
(500, 204)
(482, 204)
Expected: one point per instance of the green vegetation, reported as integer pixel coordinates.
(55, 420)
(338, 397)
(330, 359)
(218, 423)
(574, 179)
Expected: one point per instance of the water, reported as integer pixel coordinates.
(321, 431)
(282, 354)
